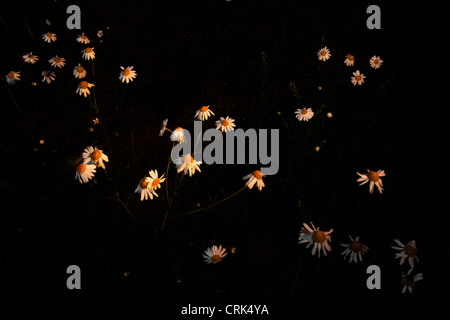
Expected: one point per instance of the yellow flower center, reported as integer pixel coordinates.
(204, 109)
(142, 183)
(410, 250)
(351, 58)
(373, 176)
(215, 258)
(376, 61)
(356, 246)
(188, 158)
(257, 174)
(11, 75)
(80, 69)
(88, 50)
(84, 85)
(126, 72)
(225, 123)
(304, 111)
(155, 182)
(358, 78)
(57, 60)
(49, 35)
(319, 236)
(81, 168)
(96, 154)
(83, 37)
(323, 53)
(46, 74)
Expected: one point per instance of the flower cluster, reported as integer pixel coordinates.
(92, 159)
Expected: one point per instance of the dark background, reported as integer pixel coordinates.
(239, 57)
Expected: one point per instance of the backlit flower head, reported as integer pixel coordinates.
(57, 62)
(375, 62)
(355, 248)
(324, 54)
(83, 39)
(203, 113)
(225, 124)
(84, 172)
(319, 239)
(155, 181)
(88, 53)
(163, 127)
(177, 135)
(358, 78)
(30, 58)
(100, 33)
(92, 155)
(254, 177)
(49, 37)
(214, 254)
(144, 189)
(187, 164)
(304, 114)
(127, 74)
(83, 88)
(408, 281)
(48, 76)
(12, 77)
(349, 60)
(406, 252)
(373, 178)
(79, 72)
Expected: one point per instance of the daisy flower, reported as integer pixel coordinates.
(12, 77)
(100, 33)
(177, 135)
(408, 281)
(319, 239)
(214, 254)
(57, 61)
(358, 78)
(49, 37)
(83, 88)
(187, 164)
(225, 124)
(324, 54)
(88, 53)
(30, 58)
(375, 62)
(94, 156)
(203, 113)
(144, 189)
(163, 127)
(374, 178)
(127, 74)
(304, 235)
(304, 114)
(79, 72)
(349, 60)
(48, 76)
(355, 248)
(83, 39)
(406, 252)
(254, 177)
(155, 181)
(84, 172)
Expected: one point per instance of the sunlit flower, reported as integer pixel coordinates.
(83, 88)
(406, 252)
(163, 127)
(349, 60)
(304, 114)
(304, 236)
(84, 172)
(254, 177)
(155, 181)
(374, 178)
(329, 115)
(94, 156)
(324, 54)
(127, 74)
(375, 62)
(88, 53)
(100, 33)
(30, 58)
(79, 72)
(214, 254)
(177, 135)
(57, 61)
(225, 124)
(83, 39)
(358, 78)
(408, 281)
(144, 189)
(355, 248)
(203, 113)
(49, 37)
(48, 76)
(319, 239)
(187, 164)
(12, 77)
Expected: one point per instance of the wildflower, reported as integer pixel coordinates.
(177, 135)
(304, 235)
(83, 88)
(203, 113)
(375, 62)
(144, 189)
(319, 239)
(88, 53)
(83, 39)
(30, 58)
(406, 252)
(408, 281)
(96, 121)
(12, 77)
(254, 177)
(187, 164)
(127, 74)
(94, 156)
(163, 127)
(155, 181)
(49, 37)
(358, 78)
(349, 60)
(374, 178)
(324, 54)
(48, 76)
(100, 33)
(84, 172)
(57, 61)
(329, 115)
(214, 254)
(304, 114)
(355, 249)
(225, 124)
(79, 72)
